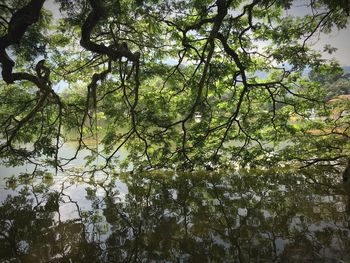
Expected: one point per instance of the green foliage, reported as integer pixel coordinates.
(177, 84)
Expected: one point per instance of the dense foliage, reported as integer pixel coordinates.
(176, 83)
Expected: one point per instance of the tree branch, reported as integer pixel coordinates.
(19, 23)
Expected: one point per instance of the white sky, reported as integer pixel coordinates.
(338, 39)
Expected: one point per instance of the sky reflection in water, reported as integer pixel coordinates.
(256, 216)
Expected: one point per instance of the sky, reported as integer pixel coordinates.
(339, 39)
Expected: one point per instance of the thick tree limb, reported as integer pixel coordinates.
(19, 23)
(86, 30)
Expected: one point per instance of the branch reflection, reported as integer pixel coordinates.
(274, 216)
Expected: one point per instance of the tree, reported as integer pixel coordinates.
(175, 82)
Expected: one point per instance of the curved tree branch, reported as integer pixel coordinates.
(19, 23)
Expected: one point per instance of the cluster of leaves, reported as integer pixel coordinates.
(176, 83)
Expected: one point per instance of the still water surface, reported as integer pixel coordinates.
(159, 216)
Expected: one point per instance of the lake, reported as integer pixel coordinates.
(167, 216)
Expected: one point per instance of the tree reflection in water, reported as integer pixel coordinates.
(257, 216)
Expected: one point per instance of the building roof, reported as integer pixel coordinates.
(340, 98)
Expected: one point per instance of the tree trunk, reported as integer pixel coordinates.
(346, 173)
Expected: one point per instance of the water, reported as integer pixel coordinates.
(159, 216)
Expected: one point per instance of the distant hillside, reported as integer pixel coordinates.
(347, 69)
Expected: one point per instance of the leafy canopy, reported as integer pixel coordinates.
(175, 83)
